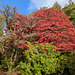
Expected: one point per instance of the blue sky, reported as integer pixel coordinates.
(27, 6)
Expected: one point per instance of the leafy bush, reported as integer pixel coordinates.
(69, 64)
(41, 60)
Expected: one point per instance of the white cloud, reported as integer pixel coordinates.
(36, 4)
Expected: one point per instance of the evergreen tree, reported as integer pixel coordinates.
(56, 5)
(70, 11)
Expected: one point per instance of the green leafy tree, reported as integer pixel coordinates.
(70, 2)
(70, 12)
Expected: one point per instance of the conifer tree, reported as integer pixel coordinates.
(56, 5)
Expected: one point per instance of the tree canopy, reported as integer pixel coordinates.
(56, 5)
(70, 12)
(48, 25)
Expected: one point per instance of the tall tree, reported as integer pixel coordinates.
(7, 12)
(50, 25)
(56, 5)
(70, 2)
(70, 11)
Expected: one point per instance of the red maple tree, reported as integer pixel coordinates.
(48, 25)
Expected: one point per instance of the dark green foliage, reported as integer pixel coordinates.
(70, 2)
(69, 10)
(69, 64)
(3, 65)
(10, 59)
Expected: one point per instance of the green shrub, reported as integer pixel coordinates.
(69, 63)
(41, 60)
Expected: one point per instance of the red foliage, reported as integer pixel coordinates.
(48, 25)
(45, 49)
